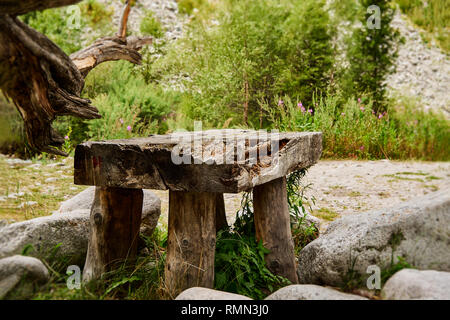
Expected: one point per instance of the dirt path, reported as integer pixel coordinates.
(345, 187)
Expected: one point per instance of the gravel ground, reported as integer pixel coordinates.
(342, 187)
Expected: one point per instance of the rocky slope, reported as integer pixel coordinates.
(422, 70)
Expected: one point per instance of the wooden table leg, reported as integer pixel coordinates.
(191, 241)
(272, 224)
(221, 217)
(115, 220)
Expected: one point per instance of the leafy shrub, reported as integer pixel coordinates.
(355, 130)
(128, 105)
(371, 54)
(188, 6)
(249, 51)
(61, 24)
(239, 259)
(151, 26)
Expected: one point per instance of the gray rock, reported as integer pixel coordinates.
(198, 293)
(311, 292)
(13, 269)
(410, 284)
(417, 230)
(82, 201)
(151, 207)
(70, 230)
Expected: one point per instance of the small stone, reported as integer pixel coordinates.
(199, 293)
(311, 292)
(14, 268)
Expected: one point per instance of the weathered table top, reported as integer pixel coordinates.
(227, 161)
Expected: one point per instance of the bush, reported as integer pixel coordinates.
(129, 106)
(250, 51)
(61, 24)
(355, 130)
(151, 26)
(371, 55)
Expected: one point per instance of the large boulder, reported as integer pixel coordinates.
(64, 235)
(417, 230)
(199, 293)
(410, 284)
(151, 207)
(311, 292)
(14, 269)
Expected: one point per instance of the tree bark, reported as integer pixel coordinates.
(191, 241)
(42, 81)
(272, 224)
(15, 7)
(115, 220)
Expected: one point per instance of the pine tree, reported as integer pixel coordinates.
(371, 52)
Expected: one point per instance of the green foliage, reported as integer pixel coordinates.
(433, 16)
(354, 130)
(249, 51)
(66, 27)
(151, 26)
(12, 134)
(302, 231)
(239, 259)
(394, 268)
(371, 54)
(188, 6)
(129, 106)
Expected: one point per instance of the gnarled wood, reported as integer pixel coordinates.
(272, 224)
(42, 80)
(109, 49)
(191, 241)
(113, 238)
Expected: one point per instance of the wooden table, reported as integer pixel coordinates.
(196, 168)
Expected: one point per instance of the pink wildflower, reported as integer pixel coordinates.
(361, 148)
(129, 128)
(280, 102)
(121, 120)
(359, 100)
(361, 108)
(310, 111)
(343, 114)
(380, 116)
(66, 137)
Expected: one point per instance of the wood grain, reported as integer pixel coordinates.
(191, 241)
(272, 224)
(115, 220)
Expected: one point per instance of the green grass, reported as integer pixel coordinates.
(433, 18)
(28, 184)
(326, 214)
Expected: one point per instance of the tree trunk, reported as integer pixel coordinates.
(272, 224)
(191, 240)
(114, 232)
